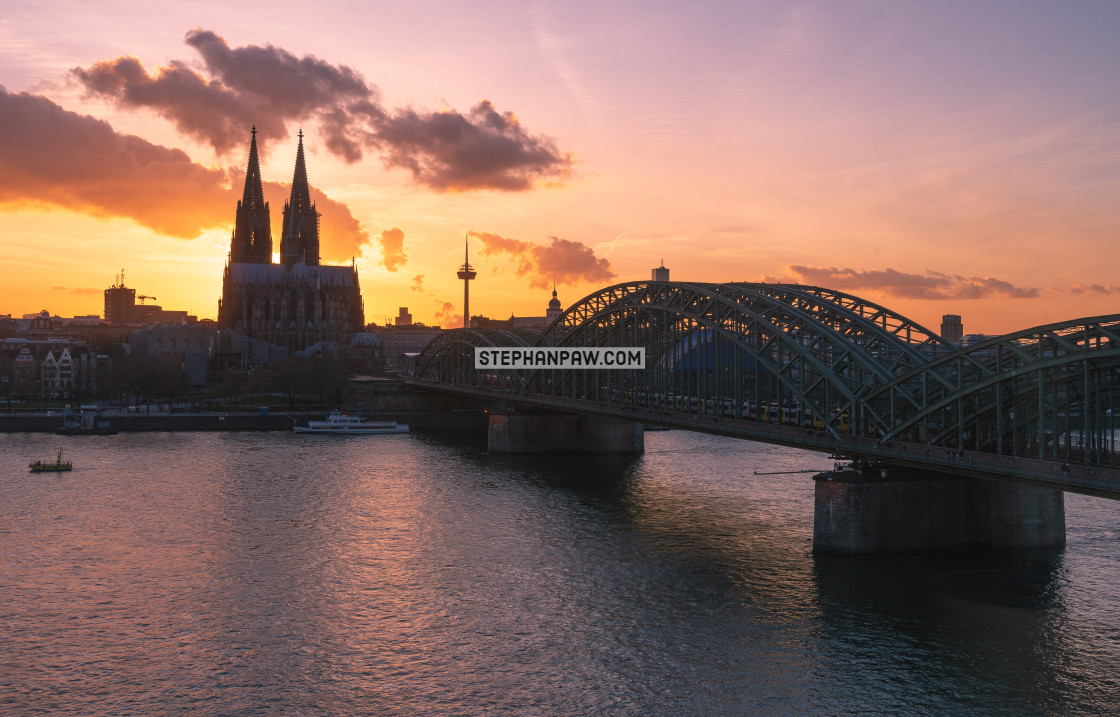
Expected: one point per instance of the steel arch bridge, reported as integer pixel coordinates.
(818, 368)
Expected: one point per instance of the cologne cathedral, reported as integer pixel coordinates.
(297, 302)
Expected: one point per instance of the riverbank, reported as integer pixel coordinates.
(186, 421)
(234, 421)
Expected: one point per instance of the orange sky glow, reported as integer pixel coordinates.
(937, 158)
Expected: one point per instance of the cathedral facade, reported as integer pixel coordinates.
(297, 302)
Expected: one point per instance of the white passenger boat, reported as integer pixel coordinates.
(347, 424)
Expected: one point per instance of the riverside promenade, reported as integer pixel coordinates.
(164, 421)
(239, 420)
(376, 399)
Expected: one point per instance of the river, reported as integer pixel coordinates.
(274, 574)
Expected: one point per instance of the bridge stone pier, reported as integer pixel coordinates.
(899, 510)
(562, 433)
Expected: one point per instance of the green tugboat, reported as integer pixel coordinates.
(51, 466)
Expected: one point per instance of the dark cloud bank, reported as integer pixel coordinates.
(51, 157)
(272, 88)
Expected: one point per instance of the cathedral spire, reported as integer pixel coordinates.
(301, 190)
(252, 233)
(253, 196)
(300, 239)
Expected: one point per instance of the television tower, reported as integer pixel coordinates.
(466, 273)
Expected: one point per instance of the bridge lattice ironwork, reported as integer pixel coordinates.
(821, 361)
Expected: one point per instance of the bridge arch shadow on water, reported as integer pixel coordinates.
(821, 369)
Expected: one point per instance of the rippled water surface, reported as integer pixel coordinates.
(269, 574)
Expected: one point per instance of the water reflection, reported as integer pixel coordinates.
(254, 574)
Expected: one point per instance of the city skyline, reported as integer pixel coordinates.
(936, 158)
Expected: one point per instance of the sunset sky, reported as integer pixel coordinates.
(938, 157)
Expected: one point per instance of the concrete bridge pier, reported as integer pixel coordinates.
(1022, 515)
(867, 511)
(562, 433)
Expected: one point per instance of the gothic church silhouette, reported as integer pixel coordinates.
(297, 302)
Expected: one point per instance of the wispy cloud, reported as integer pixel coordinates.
(273, 88)
(930, 285)
(446, 316)
(76, 290)
(393, 256)
(561, 261)
(1091, 289)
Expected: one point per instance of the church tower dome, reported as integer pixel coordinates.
(554, 308)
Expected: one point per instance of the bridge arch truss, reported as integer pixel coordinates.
(819, 360)
(1046, 392)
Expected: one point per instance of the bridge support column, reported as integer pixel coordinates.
(1022, 515)
(898, 510)
(562, 433)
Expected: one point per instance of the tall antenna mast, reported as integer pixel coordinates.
(466, 273)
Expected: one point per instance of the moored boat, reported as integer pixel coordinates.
(86, 423)
(52, 466)
(346, 424)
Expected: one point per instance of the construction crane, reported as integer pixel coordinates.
(142, 297)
